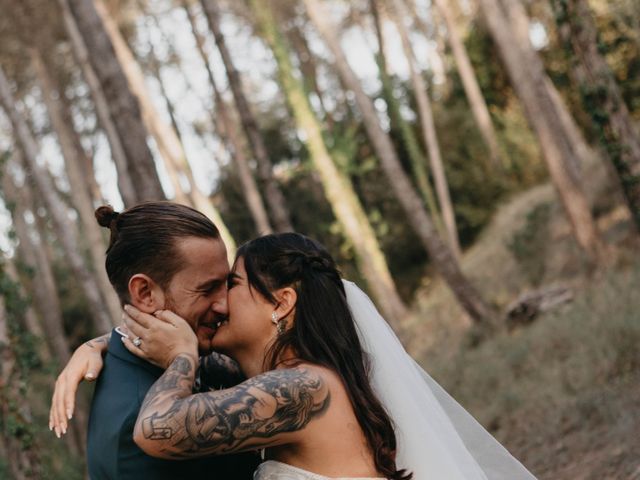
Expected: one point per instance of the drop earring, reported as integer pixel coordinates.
(280, 324)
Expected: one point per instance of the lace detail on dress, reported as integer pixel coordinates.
(273, 470)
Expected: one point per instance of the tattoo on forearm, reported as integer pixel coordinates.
(219, 371)
(99, 342)
(245, 417)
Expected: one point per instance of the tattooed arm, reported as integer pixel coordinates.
(269, 409)
(219, 371)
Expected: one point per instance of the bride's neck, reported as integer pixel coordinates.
(253, 363)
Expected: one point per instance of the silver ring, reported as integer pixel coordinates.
(137, 341)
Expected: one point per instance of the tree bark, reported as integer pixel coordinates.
(75, 157)
(471, 86)
(406, 131)
(528, 78)
(440, 254)
(123, 106)
(273, 195)
(231, 137)
(63, 226)
(429, 133)
(125, 186)
(602, 97)
(166, 137)
(338, 189)
(519, 20)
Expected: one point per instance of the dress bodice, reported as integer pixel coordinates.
(273, 470)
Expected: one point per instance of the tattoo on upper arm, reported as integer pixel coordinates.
(245, 417)
(219, 371)
(99, 342)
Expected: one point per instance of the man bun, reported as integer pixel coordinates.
(105, 215)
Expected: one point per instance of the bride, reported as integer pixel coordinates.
(330, 393)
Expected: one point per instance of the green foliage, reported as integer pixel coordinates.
(529, 244)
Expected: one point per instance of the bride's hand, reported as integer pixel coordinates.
(162, 336)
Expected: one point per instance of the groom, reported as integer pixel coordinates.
(161, 256)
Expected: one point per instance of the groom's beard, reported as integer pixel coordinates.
(204, 327)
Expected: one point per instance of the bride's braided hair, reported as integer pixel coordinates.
(323, 331)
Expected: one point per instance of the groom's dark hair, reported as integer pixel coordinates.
(144, 240)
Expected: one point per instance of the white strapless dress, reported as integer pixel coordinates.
(273, 470)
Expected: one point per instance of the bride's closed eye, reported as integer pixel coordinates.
(232, 280)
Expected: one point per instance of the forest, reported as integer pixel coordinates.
(473, 164)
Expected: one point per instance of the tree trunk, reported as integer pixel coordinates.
(338, 189)
(528, 79)
(166, 137)
(471, 86)
(406, 131)
(63, 226)
(125, 186)
(274, 197)
(43, 282)
(231, 137)
(602, 97)
(440, 254)
(44, 292)
(75, 157)
(123, 105)
(429, 133)
(519, 20)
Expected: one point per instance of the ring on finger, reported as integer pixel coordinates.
(137, 341)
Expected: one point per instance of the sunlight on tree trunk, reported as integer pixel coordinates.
(440, 254)
(338, 188)
(273, 195)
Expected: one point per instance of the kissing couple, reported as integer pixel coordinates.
(275, 369)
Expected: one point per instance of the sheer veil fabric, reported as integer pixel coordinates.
(437, 438)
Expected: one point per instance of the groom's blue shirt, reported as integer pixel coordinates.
(111, 451)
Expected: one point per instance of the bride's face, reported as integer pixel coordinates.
(248, 328)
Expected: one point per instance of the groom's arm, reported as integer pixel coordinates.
(218, 371)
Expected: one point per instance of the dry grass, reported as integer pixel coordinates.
(562, 394)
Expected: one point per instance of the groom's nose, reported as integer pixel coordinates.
(219, 305)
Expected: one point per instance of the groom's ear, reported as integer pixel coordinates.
(286, 298)
(146, 295)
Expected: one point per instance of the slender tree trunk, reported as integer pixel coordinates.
(44, 288)
(429, 133)
(55, 206)
(440, 254)
(123, 105)
(165, 136)
(125, 186)
(338, 189)
(528, 79)
(44, 293)
(519, 20)
(471, 86)
(75, 157)
(406, 131)
(602, 97)
(273, 195)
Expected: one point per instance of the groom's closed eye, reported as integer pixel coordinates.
(211, 286)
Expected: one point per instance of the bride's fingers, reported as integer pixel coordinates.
(133, 327)
(137, 351)
(169, 317)
(141, 318)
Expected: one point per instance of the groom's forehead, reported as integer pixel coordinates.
(202, 253)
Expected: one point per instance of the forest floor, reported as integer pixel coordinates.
(562, 393)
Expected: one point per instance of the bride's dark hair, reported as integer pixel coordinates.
(323, 331)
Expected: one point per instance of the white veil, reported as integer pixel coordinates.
(436, 437)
